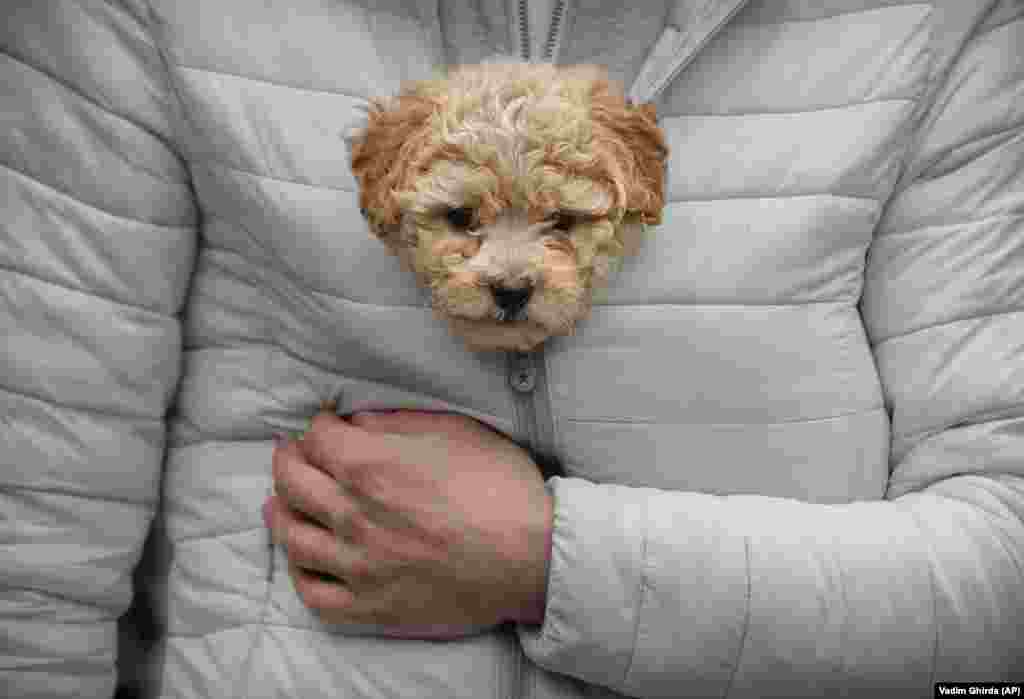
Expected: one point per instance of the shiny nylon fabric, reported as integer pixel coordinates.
(791, 428)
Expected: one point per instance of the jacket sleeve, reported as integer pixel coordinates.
(97, 236)
(669, 594)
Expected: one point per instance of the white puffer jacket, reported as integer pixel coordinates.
(793, 430)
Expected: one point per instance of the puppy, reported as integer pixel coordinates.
(511, 190)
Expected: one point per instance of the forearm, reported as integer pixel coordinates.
(668, 594)
(96, 248)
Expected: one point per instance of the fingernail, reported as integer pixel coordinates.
(279, 440)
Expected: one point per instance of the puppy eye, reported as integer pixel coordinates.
(564, 221)
(461, 218)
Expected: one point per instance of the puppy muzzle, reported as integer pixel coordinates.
(510, 302)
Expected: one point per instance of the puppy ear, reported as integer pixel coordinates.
(386, 155)
(631, 137)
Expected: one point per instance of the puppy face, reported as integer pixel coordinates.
(511, 190)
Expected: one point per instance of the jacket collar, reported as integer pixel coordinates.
(691, 25)
(468, 31)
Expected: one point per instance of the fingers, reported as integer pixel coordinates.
(339, 447)
(312, 547)
(307, 488)
(319, 593)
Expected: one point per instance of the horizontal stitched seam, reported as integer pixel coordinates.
(951, 321)
(250, 78)
(214, 162)
(71, 601)
(298, 281)
(4, 388)
(788, 112)
(68, 195)
(345, 299)
(631, 421)
(1010, 412)
(354, 302)
(219, 534)
(797, 20)
(941, 227)
(733, 304)
(794, 195)
(251, 344)
(208, 162)
(926, 177)
(84, 291)
(17, 487)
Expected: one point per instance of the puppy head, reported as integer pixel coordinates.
(511, 189)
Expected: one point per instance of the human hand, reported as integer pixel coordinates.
(429, 523)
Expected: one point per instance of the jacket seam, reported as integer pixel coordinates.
(9, 487)
(269, 346)
(641, 421)
(211, 161)
(733, 304)
(96, 103)
(935, 602)
(81, 290)
(300, 281)
(940, 227)
(216, 162)
(295, 279)
(6, 388)
(789, 112)
(790, 195)
(64, 599)
(94, 207)
(951, 321)
(797, 20)
(1013, 411)
(746, 622)
(641, 598)
(251, 343)
(275, 83)
(927, 175)
(182, 444)
(196, 538)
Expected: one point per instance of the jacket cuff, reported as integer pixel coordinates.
(590, 620)
(648, 590)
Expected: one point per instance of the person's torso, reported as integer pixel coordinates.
(727, 357)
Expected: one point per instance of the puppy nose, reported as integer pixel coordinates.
(511, 301)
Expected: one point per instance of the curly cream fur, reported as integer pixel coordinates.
(516, 143)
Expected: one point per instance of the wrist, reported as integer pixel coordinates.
(533, 612)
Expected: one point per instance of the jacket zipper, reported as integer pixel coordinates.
(528, 380)
(550, 49)
(526, 371)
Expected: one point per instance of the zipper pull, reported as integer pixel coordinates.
(523, 375)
